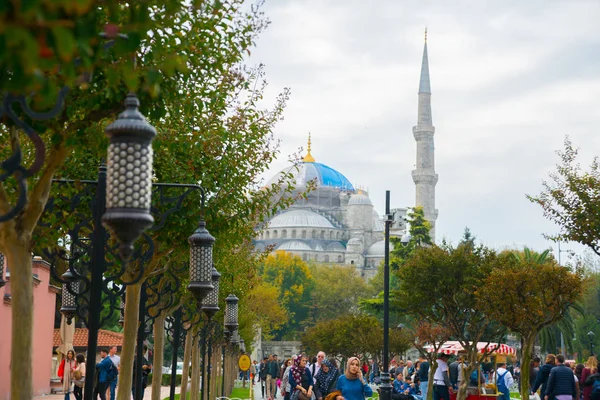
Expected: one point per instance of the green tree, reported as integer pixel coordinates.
(429, 339)
(571, 199)
(296, 286)
(337, 291)
(263, 302)
(518, 295)
(448, 295)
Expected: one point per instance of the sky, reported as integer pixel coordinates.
(509, 80)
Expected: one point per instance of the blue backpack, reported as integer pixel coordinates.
(112, 372)
(596, 386)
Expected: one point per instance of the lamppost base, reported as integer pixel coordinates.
(385, 387)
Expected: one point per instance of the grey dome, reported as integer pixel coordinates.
(377, 249)
(292, 245)
(360, 199)
(301, 219)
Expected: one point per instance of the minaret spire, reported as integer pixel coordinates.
(424, 175)
(308, 157)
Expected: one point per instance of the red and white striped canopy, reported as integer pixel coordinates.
(454, 347)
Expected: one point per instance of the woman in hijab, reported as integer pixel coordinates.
(326, 379)
(301, 380)
(352, 384)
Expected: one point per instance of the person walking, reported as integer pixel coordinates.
(561, 382)
(590, 368)
(352, 385)
(542, 377)
(262, 375)
(79, 377)
(534, 367)
(504, 381)
(272, 370)
(301, 380)
(423, 376)
(326, 379)
(65, 372)
(441, 379)
(116, 360)
(252, 372)
(103, 369)
(285, 379)
(146, 369)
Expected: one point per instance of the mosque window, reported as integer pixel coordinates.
(268, 235)
(322, 235)
(293, 234)
(337, 236)
(304, 257)
(303, 234)
(330, 235)
(284, 233)
(352, 262)
(327, 258)
(274, 234)
(340, 258)
(314, 234)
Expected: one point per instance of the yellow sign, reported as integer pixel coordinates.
(244, 362)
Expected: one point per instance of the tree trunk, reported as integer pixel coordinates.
(18, 257)
(195, 389)
(159, 347)
(187, 354)
(432, 368)
(130, 327)
(525, 365)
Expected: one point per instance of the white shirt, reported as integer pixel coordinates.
(461, 372)
(440, 372)
(116, 360)
(508, 379)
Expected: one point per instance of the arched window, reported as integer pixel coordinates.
(337, 235)
(304, 257)
(314, 234)
(293, 234)
(304, 234)
(284, 233)
(274, 234)
(340, 258)
(322, 235)
(330, 235)
(268, 235)
(316, 257)
(352, 262)
(326, 258)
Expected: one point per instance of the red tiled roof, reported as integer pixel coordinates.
(80, 338)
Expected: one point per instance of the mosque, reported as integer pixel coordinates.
(337, 223)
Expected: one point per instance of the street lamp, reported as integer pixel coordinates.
(590, 336)
(2, 281)
(129, 176)
(386, 387)
(69, 306)
(231, 325)
(209, 307)
(201, 262)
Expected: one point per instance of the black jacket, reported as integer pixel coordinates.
(542, 378)
(561, 381)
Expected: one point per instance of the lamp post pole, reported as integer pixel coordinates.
(176, 334)
(386, 387)
(590, 336)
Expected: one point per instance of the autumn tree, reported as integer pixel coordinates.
(263, 302)
(428, 340)
(448, 295)
(293, 278)
(526, 295)
(571, 199)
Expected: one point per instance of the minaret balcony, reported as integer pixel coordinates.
(424, 128)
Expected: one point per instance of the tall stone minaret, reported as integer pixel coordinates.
(424, 175)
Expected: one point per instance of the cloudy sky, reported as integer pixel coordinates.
(509, 80)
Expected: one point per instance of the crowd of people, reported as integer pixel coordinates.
(72, 372)
(561, 380)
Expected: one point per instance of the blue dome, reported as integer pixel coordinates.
(324, 175)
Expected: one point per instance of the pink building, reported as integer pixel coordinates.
(44, 304)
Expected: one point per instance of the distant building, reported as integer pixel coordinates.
(337, 223)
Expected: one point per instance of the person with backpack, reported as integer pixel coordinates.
(504, 380)
(105, 373)
(592, 385)
(561, 382)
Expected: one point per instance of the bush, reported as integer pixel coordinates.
(166, 380)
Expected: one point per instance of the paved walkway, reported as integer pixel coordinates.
(164, 392)
(258, 393)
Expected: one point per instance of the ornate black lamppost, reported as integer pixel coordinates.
(231, 325)
(386, 387)
(201, 264)
(210, 307)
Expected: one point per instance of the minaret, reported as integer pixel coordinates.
(424, 175)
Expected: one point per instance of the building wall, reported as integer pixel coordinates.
(44, 303)
(283, 349)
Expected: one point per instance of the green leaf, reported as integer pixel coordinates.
(64, 42)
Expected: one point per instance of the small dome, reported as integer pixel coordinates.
(301, 219)
(360, 199)
(294, 245)
(336, 246)
(377, 249)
